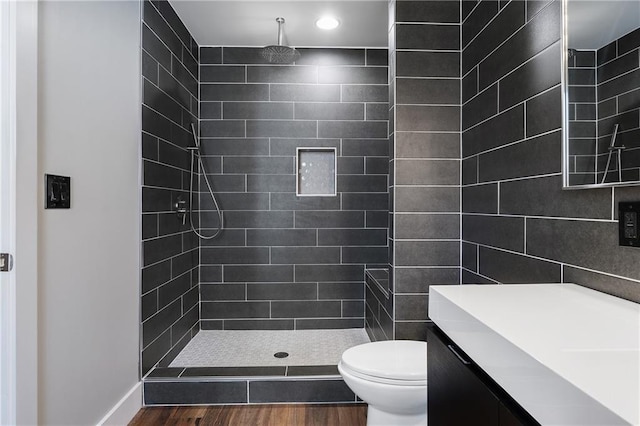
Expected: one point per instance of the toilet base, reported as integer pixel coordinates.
(376, 417)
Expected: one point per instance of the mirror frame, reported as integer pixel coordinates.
(564, 84)
(564, 90)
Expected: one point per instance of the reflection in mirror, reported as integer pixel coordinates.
(602, 92)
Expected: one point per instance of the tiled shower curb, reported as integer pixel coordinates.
(246, 385)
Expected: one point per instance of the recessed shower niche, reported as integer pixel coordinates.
(316, 172)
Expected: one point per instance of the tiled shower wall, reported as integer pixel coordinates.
(169, 249)
(425, 162)
(287, 262)
(618, 103)
(519, 226)
(581, 82)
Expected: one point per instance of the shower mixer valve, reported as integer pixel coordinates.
(180, 207)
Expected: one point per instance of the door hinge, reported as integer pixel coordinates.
(6, 262)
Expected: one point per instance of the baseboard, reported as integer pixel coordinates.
(122, 413)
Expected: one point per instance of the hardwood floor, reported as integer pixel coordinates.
(255, 415)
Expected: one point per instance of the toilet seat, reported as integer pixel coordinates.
(394, 362)
(381, 380)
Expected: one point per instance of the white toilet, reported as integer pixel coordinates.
(390, 376)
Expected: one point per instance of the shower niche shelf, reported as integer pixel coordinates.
(316, 172)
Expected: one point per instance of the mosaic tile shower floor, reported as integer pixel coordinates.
(249, 348)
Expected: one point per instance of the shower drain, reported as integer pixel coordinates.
(281, 354)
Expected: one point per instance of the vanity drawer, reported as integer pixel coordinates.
(461, 394)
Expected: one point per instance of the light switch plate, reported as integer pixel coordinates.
(57, 192)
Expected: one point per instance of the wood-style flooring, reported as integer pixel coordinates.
(255, 415)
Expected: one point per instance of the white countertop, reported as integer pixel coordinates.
(567, 354)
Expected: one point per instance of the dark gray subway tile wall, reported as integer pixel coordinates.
(582, 116)
(618, 98)
(169, 250)
(378, 306)
(424, 167)
(519, 225)
(288, 262)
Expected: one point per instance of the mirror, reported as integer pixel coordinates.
(601, 93)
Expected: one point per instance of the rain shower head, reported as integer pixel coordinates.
(279, 53)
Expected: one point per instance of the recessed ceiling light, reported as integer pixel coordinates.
(327, 23)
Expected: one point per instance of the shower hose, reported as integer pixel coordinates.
(196, 158)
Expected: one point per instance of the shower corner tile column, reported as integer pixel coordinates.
(425, 123)
(169, 289)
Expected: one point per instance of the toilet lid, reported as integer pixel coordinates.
(390, 359)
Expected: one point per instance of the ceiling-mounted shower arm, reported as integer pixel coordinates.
(280, 21)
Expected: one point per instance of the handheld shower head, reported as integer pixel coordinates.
(195, 140)
(618, 149)
(196, 160)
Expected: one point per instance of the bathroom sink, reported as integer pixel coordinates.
(567, 354)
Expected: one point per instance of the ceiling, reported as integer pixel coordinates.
(363, 23)
(594, 24)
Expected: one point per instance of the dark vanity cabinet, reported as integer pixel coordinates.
(461, 394)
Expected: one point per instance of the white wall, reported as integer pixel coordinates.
(27, 197)
(89, 129)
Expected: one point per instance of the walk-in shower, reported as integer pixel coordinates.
(259, 270)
